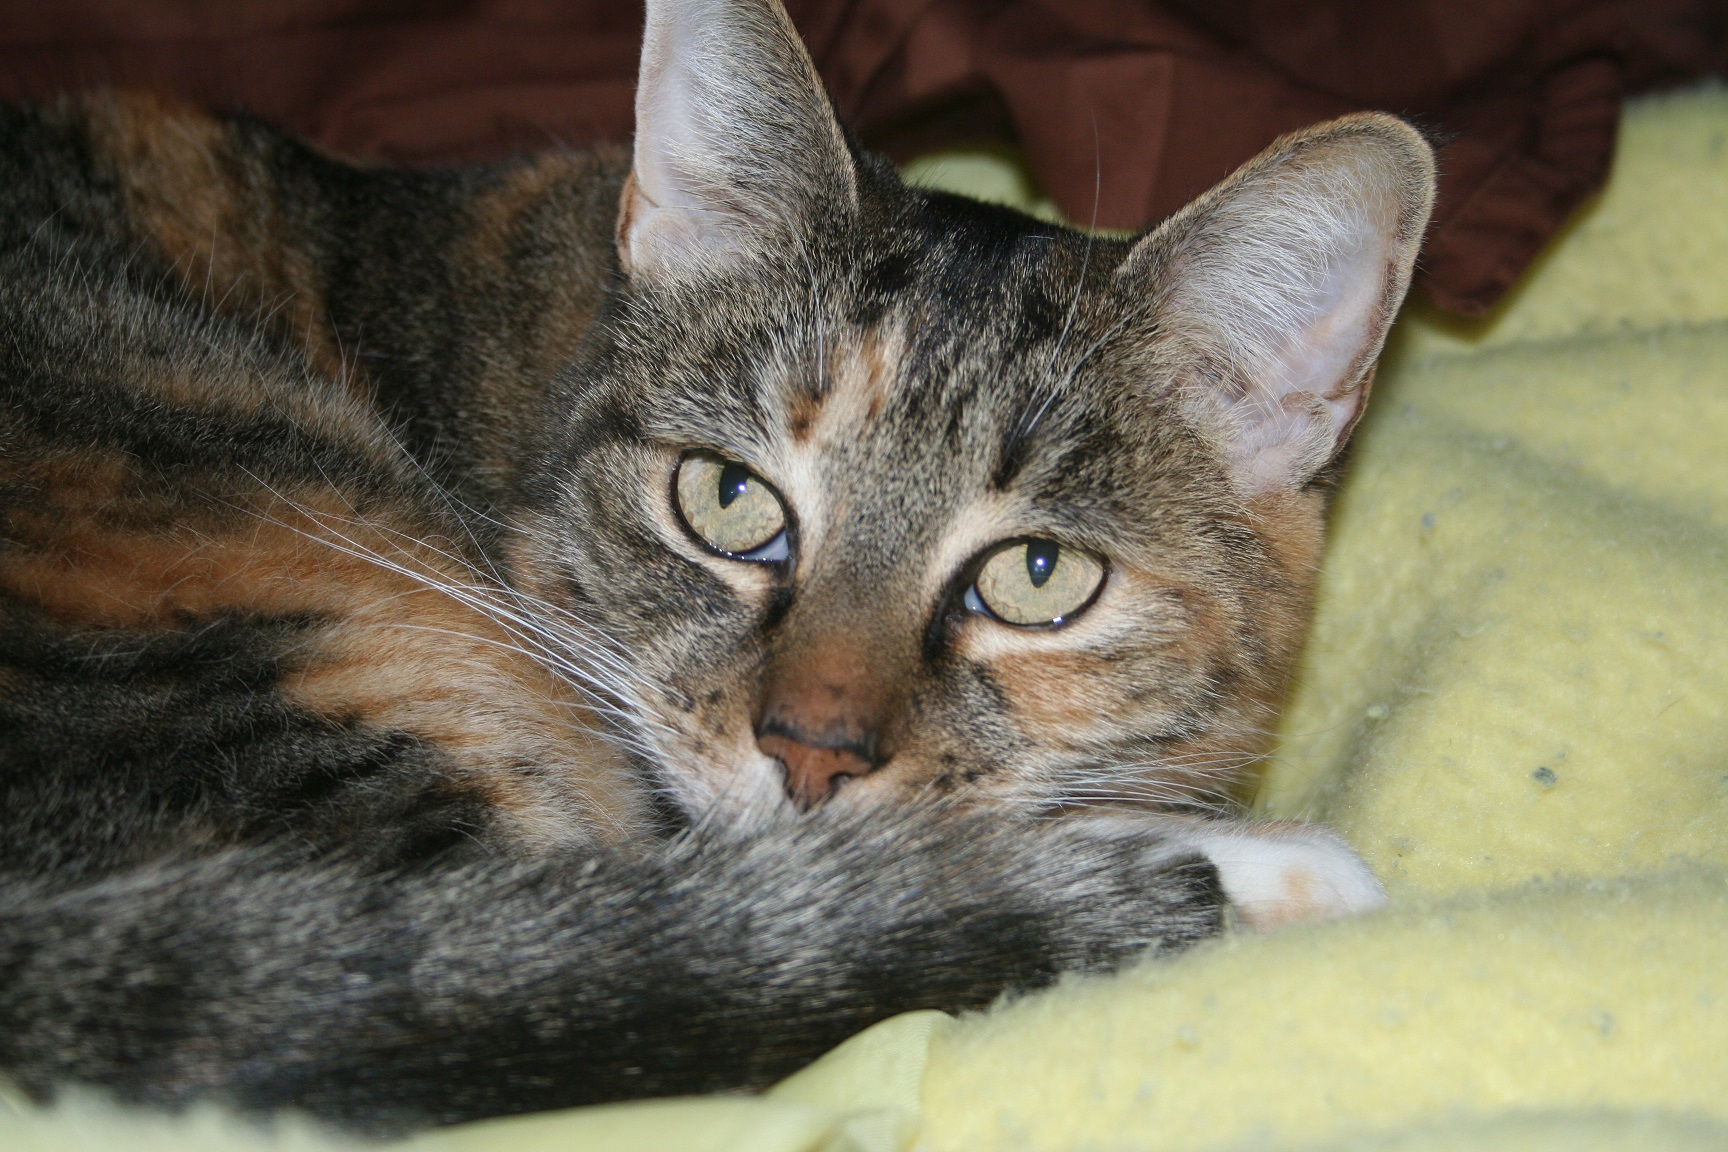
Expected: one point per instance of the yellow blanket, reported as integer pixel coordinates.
(1515, 703)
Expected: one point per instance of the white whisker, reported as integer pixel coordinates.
(577, 654)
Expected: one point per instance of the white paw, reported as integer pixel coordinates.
(1277, 874)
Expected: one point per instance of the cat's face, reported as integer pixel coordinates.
(868, 493)
(905, 444)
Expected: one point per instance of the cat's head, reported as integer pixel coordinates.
(869, 492)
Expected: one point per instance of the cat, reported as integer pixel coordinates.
(615, 624)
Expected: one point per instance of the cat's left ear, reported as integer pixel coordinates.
(1273, 292)
(737, 147)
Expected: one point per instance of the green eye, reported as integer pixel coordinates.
(731, 507)
(1036, 582)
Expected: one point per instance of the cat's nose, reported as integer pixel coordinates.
(814, 767)
(827, 707)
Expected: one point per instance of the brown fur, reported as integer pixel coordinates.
(392, 652)
(211, 211)
(529, 243)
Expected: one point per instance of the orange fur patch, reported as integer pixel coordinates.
(212, 212)
(801, 416)
(861, 377)
(392, 650)
(531, 250)
(1060, 697)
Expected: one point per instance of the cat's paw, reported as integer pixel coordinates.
(1280, 873)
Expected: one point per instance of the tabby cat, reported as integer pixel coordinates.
(605, 625)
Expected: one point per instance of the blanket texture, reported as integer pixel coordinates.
(1515, 703)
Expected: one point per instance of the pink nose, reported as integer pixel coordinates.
(821, 712)
(812, 773)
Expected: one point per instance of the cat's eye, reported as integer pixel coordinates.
(731, 508)
(1033, 582)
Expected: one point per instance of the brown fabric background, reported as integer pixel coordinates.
(1126, 108)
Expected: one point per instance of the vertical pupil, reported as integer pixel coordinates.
(1041, 560)
(734, 480)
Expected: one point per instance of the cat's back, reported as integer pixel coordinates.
(447, 297)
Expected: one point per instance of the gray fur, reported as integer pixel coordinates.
(376, 738)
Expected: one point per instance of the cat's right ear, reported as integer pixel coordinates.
(737, 147)
(1272, 293)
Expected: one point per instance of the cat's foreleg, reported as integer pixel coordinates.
(718, 961)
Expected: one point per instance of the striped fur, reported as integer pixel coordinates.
(375, 738)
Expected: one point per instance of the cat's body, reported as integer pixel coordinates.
(374, 623)
(211, 325)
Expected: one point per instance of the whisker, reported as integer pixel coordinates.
(1195, 780)
(604, 676)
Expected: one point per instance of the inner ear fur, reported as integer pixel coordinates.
(1272, 293)
(737, 146)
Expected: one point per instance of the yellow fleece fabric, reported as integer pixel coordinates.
(1514, 703)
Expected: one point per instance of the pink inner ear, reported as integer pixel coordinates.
(1321, 357)
(1289, 273)
(665, 223)
(734, 136)
(1302, 362)
(1273, 441)
(1311, 381)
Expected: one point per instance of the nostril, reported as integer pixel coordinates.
(812, 773)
